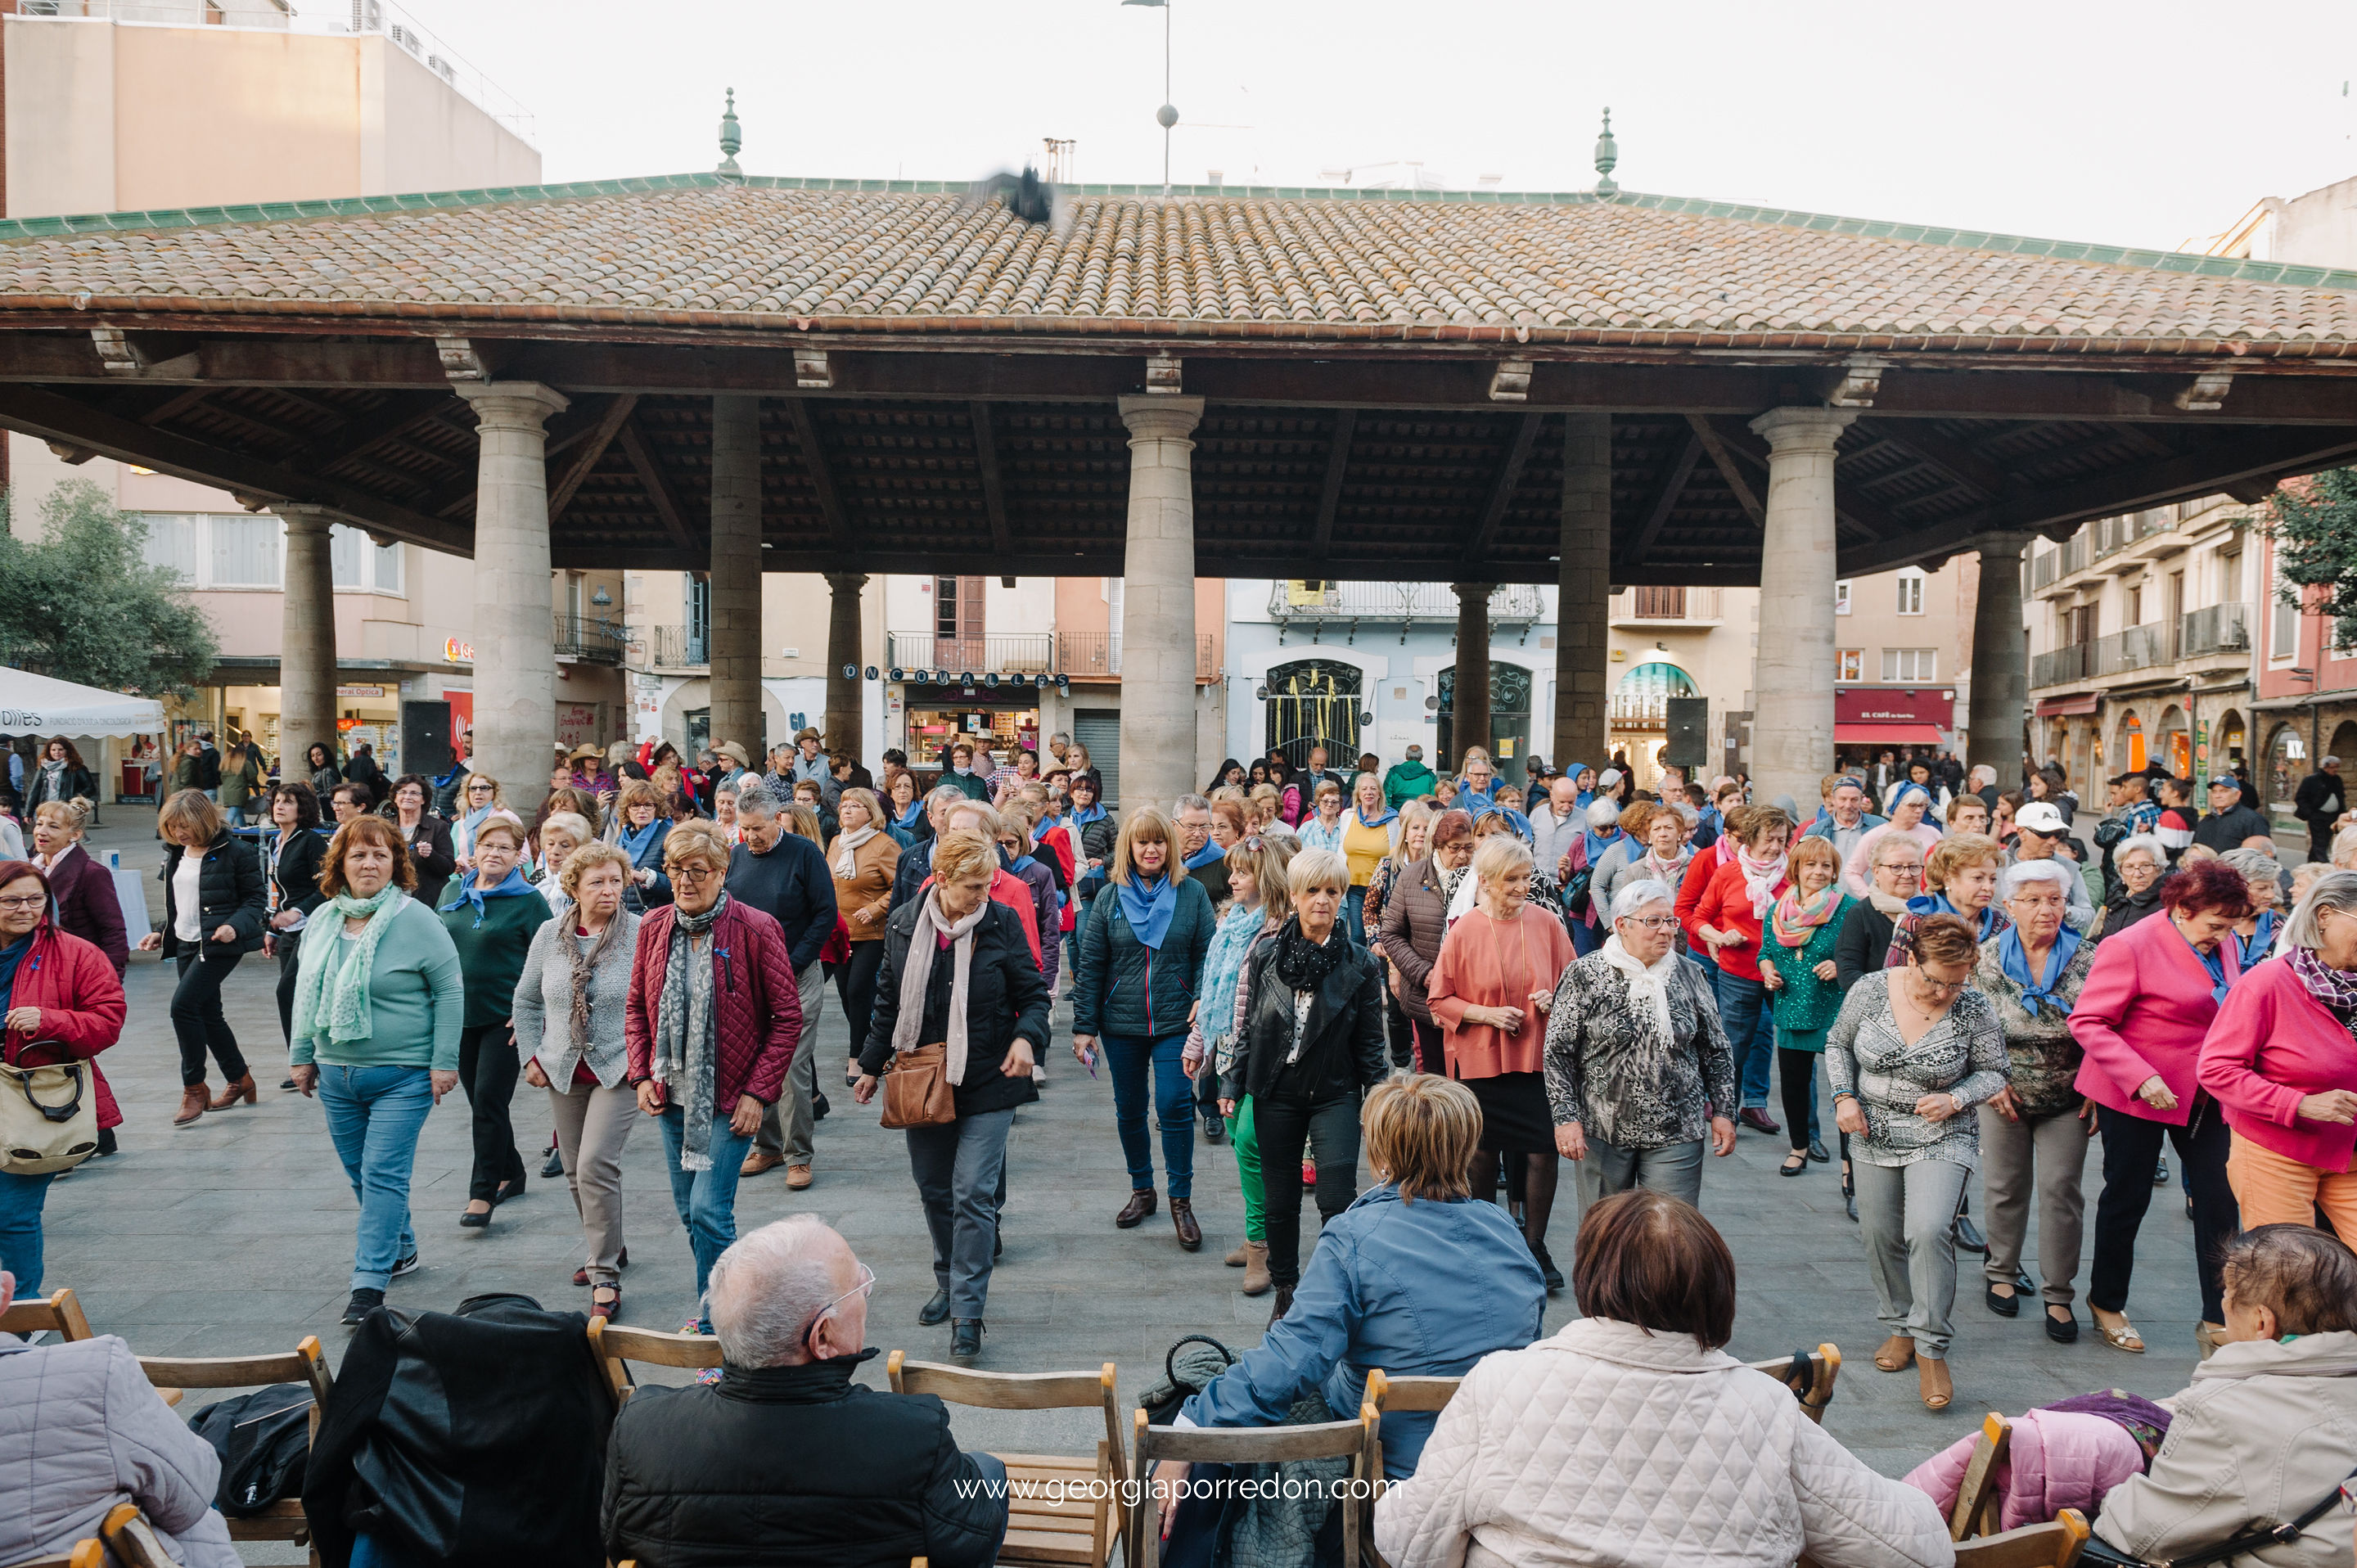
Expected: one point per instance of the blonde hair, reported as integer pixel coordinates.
(585, 859)
(697, 840)
(1955, 853)
(1412, 813)
(68, 814)
(501, 821)
(985, 816)
(962, 852)
(1327, 787)
(475, 779)
(571, 824)
(878, 817)
(1421, 1130)
(802, 822)
(1318, 868)
(1499, 854)
(189, 813)
(1151, 823)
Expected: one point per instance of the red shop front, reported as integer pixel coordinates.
(1869, 719)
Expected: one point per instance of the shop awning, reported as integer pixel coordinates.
(2062, 707)
(1887, 735)
(45, 706)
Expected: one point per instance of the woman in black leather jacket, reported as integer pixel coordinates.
(213, 915)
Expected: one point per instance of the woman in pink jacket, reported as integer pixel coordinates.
(2281, 1064)
(2148, 1004)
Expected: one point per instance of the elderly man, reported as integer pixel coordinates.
(1476, 783)
(2041, 837)
(785, 877)
(1846, 819)
(2232, 824)
(1408, 780)
(1557, 824)
(786, 1460)
(1206, 862)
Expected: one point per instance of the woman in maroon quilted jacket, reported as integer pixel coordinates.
(711, 1023)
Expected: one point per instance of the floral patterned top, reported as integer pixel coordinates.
(2042, 1059)
(1962, 1055)
(1609, 1068)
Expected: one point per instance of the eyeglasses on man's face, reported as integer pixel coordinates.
(867, 1283)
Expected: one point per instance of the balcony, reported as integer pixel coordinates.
(1514, 605)
(1095, 655)
(676, 649)
(2044, 569)
(1641, 712)
(1013, 653)
(1681, 607)
(2220, 628)
(2071, 662)
(2197, 634)
(590, 641)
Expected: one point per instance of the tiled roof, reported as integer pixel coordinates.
(907, 256)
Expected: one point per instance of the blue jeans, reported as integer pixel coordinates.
(1131, 1057)
(1354, 916)
(706, 1199)
(374, 1114)
(1751, 1034)
(21, 1197)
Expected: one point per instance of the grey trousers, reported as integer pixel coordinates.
(957, 1166)
(1675, 1169)
(1906, 1214)
(593, 1125)
(786, 1126)
(2057, 1145)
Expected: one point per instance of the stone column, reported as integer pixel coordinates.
(2000, 658)
(735, 634)
(1157, 648)
(1583, 592)
(306, 640)
(1469, 711)
(515, 648)
(844, 704)
(1793, 691)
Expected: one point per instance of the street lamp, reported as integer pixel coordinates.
(1168, 115)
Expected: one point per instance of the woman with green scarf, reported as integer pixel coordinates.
(378, 1007)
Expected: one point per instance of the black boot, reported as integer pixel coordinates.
(965, 1338)
(936, 1310)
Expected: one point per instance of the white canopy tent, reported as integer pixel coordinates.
(36, 704)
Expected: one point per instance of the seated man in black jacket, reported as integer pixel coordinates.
(785, 1460)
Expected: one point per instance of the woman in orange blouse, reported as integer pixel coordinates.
(1489, 992)
(864, 858)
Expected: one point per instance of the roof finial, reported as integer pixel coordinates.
(730, 140)
(1608, 154)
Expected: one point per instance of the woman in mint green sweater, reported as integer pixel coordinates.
(378, 1006)
(492, 915)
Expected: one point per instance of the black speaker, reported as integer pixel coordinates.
(425, 737)
(1689, 738)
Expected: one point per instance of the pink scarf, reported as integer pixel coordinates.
(1763, 879)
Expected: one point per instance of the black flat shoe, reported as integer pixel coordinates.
(365, 1301)
(1819, 1153)
(1849, 1201)
(1552, 1276)
(965, 1338)
(2002, 1306)
(1795, 1164)
(2023, 1284)
(553, 1166)
(819, 1107)
(2063, 1330)
(1215, 1131)
(936, 1310)
(1968, 1236)
(474, 1221)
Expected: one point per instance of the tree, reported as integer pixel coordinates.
(83, 604)
(2314, 526)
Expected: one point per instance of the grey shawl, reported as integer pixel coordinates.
(686, 1042)
(545, 995)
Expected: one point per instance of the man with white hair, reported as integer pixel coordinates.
(1556, 823)
(786, 1460)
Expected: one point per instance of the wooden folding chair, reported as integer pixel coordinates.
(60, 1314)
(1078, 1523)
(2055, 1544)
(1354, 1440)
(1813, 1385)
(131, 1539)
(284, 1520)
(1391, 1395)
(1976, 1499)
(615, 1346)
(89, 1554)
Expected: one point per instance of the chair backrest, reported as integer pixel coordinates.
(1977, 1498)
(304, 1364)
(1356, 1441)
(1013, 1391)
(1812, 1383)
(60, 1314)
(128, 1535)
(2054, 1544)
(1400, 1395)
(617, 1345)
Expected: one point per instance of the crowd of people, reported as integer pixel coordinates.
(1463, 980)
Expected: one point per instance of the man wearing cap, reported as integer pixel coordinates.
(1408, 780)
(2042, 831)
(2231, 824)
(1846, 819)
(2319, 803)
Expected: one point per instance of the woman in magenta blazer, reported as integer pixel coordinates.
(2148, 1004)
(2281, 1062)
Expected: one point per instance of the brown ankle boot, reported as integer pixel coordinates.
(1182, 1216)
(1256, 1280)
(194, 1103)
(1140, 1205)
(242, 1089)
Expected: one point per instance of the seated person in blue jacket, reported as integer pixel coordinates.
(1419, 1277)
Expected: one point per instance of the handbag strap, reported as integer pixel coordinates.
(23, 1078)
(2262, 1535)
(1171, 1357)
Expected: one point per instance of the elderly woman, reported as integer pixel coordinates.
(491, 917)
(1907, 809)
(1323, 828)
(379, 1008)
(1736, 1474)
(1638, 1070)
(2254, 933)
(1419, 1278)
(1257, 906)
(2280, 1063)
(84, 890)
(641, 829)
(1415, 841)
(215, 907)
(712, 1014)
(958, 971)
(1490, 990)
(1730, 919)
(1656, 851)
(1913, 1049)
(2036, 1133)
(1371, 831)
(864, 859)
(1796, 965)
(1415, 918)
(431, 847)
(560, 835)
(2141, 862)
(1586, 854)
(1872, 923)
(2266, 1429)
(568, 1010)
(2151, 998)
(1961, 877)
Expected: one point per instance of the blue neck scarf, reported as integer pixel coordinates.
(1598, 842)
(1205, 857)
(1388, 815)
(2038, 989)
(636, 840)
(1093, 811)
(474, 820)
(10, 957)
(909, 818)
(1147, 907)
(2215, 962)
(1023, 862)
(2255, 948)
(513, 887)
(1990, 921)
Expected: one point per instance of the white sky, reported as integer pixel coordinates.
(2139, 124)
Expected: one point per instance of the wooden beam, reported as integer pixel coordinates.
(398, 412)
(1954, 458)
(985, 458)
(1657, 512)
(1501, 491)
(561, 491)
(814, 464)
(650, 478)
(1338, 462)
(1722, 458)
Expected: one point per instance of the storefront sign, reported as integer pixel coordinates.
(359, 691)
(459, 652)
(1895, 706)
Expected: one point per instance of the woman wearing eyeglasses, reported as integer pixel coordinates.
(478, 797)
(1913, 1050)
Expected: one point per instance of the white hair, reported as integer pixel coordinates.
(2022, 872)
(768, 1288)
(1498, 856)
(1185, 803)
(759, 805)
(571, 824)
(2344, 849)
(1983, 774)
(2256, 864)
(2148, 843)
(944, 795)
(2335, 890)
(1632, 896)
(1602, 814)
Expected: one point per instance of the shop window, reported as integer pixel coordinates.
(1314, 702)
(1510, 713)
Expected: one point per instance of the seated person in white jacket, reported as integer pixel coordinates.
(81, 1430)
(2269, 1427)
(1629, 1439)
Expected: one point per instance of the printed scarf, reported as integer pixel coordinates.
(2336, 989)
(686, 1046)
(1795, 921)
(331, 980)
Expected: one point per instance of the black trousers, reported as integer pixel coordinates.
(487, 1067)
(1796, 1074)
(2131, 1155)
(197, 1018)
(290, 944)
(1400, 1030)
(855, 982)
(1330, 1128)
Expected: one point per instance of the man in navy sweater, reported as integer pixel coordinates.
(785, 875)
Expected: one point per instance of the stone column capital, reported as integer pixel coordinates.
(1990, 545)
(1802, 429)
(304, 518)
(513, 406)
(1161, 417)
(1473, 593)
(847, 582)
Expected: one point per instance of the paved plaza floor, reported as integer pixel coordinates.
(234, 1236)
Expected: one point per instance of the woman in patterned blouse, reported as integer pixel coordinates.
(1913, 1049)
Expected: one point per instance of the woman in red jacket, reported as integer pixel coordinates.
(2149, 999)
(64, 1002)
(710, 1027)
(1728, 920)
(2279, 1061)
